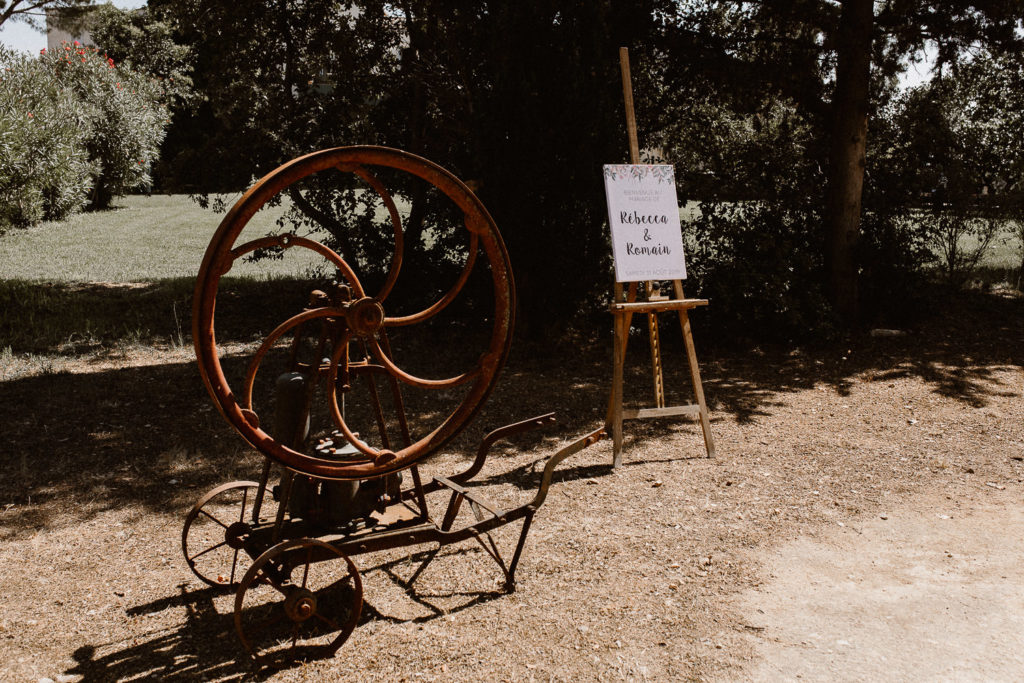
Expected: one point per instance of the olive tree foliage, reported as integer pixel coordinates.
(44, 167)
(75, 128)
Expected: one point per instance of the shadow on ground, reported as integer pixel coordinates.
(204, 646)
(149, 436)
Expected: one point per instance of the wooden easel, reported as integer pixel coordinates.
(625, 305)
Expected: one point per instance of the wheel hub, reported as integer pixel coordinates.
(365, 317)
(236, 534)
(300, 604)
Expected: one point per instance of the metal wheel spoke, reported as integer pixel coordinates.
(305, 568)
(420, 382)
(396, 223)
(276, 334)
(204, 512)
(203, 555)
(286, 241)
(442, 303)
(330, 622)
(211, 548)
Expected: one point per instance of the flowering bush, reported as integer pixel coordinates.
(44, 166)
(124, 117)
(75, 128)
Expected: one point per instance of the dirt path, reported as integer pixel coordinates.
(935, 591)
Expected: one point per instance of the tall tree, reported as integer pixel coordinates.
(829, 57)
(849, 131)
(33, 12)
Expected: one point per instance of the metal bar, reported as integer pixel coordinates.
(468, 495)
(260, 491)
(549, 469)
(421, 496)
(396, 392)
(423, 534)
(510, 583)
(287, 479)
(498, 435)
(378, 409)
(492, 551)
(453, 510)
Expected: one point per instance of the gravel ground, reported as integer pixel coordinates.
(649, 572)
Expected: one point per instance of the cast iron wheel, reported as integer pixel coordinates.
(297, 602)
(366, 317)
(215, 530)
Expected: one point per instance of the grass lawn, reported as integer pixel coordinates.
(141, 240)
(124, 275)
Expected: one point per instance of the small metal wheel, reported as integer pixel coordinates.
(215, 531)
(322, 602)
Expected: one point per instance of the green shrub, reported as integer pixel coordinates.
(44, 167)
(125, 117)
(75, 128)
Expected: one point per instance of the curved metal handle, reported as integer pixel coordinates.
(496, 436)
(549, 469)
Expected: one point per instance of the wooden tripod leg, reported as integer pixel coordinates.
(621, 322)
(614, 417)
(698, 388)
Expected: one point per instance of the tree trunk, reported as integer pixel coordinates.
(849, 141)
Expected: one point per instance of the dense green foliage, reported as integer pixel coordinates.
(524, 101)
(44, 167)
(76, 129)
(749, 100)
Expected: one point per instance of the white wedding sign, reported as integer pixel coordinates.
(647, 241)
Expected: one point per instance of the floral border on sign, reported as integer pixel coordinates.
(663, 173)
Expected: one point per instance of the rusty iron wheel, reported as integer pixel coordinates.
(366, 316)
(323, 599)
(215, 529)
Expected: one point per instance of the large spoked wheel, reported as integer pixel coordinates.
(215, 531)
(322, 600)
(364, 319)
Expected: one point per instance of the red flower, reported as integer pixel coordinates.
(43, 51)
(77, 43)
(30, 115)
